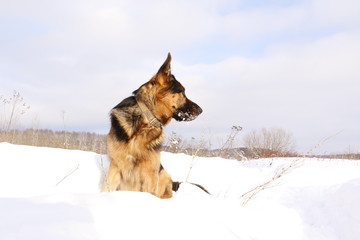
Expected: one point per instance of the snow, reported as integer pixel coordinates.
(48, 193)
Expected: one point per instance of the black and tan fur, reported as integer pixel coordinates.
(136, 134)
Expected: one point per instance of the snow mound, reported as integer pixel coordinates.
(51, 193)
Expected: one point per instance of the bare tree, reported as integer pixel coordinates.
(272, 142)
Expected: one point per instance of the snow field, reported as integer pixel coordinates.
(50, 193)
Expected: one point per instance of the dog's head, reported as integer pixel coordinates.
(165, 96)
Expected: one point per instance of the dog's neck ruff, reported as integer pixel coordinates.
(148, 115)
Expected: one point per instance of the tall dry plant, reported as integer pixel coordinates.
(12, 108)
(228, 149)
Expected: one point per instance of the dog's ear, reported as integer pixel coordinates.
(164, 71)
(165, 68)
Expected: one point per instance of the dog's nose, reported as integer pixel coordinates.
(199, 110)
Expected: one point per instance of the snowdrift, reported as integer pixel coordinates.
(50, 193)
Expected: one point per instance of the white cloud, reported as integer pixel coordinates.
(253, 25)
(334, 13)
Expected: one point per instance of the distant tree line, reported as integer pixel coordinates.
(85, 141)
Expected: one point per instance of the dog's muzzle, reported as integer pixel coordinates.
(188, 112)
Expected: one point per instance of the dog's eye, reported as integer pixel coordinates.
(178, 91)
(176, 87)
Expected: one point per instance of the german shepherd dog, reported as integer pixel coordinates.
(136, 134)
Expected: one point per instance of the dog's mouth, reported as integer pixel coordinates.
(188, 112)
(184, 116)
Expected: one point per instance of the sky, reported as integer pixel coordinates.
(286, 64)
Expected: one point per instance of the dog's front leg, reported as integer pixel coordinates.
(112, 179)
(149, 180)
(164, 188)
